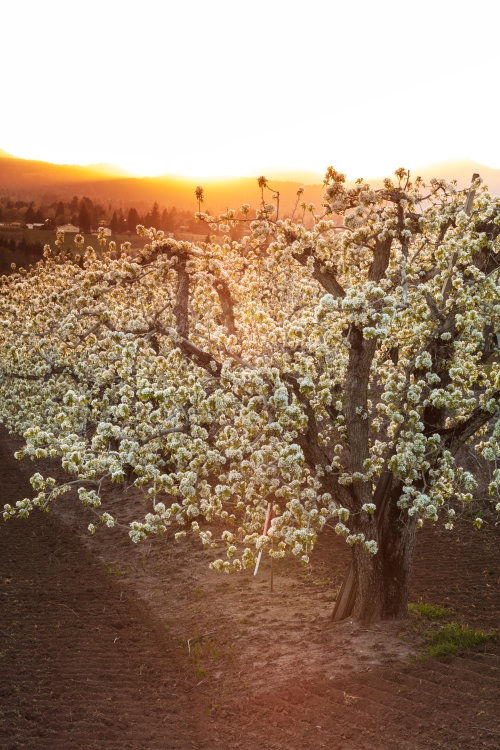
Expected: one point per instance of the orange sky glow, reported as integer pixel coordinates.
(210, 89)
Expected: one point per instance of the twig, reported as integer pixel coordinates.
(194, 686)
(71, 610)
(8, 635)
(483, 729)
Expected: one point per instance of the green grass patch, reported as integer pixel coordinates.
(453, 638)
(429, 611)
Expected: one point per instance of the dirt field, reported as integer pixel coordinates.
(107, 645)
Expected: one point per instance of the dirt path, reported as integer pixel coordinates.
(93, 645)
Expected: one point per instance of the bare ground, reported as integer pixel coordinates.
(110, 645)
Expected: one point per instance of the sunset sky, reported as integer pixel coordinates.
(226, 88)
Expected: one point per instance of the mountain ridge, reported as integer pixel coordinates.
(31, 179)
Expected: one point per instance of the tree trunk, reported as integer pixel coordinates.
(369, 599)
(398, 536)
(362, 592)
(376, 588)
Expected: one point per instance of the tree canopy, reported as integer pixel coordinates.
(334, 371)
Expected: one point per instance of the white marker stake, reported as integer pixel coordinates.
(266, 526)
(257, 563)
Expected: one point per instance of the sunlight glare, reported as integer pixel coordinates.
(222, 89)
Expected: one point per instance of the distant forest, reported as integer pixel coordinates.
(18, 252)
(83, 213)
(86, 215)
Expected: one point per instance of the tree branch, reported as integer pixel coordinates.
(181, 309)
(226, 302)
(327, 280)
(462, 432)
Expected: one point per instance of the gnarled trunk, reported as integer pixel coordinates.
(376, 588)
(398, 536)
(369, 600)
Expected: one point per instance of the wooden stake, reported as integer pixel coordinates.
(266, 526)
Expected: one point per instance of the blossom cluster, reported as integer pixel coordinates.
(218, 379)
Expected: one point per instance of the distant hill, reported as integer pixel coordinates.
(457, 169)
(20, 174)
(29, 180)
(462, 171)
(109, 170)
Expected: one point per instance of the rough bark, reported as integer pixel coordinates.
(386, 597)
(327, 280)
(226, 302)
(397, 536)
(356, 390)
(181, 309)
(368, 574)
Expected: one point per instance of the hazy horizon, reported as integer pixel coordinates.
(289, 174)
(45, 182)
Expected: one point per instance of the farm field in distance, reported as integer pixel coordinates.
(48, 236)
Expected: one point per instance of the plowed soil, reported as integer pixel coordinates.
(107, 645)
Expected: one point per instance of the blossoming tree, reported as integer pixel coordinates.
(334, 371)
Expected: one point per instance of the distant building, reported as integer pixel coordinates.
(69, 228)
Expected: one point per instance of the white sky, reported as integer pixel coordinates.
(218, 87)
